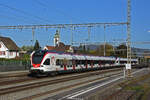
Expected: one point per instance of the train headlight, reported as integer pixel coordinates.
(41, 66)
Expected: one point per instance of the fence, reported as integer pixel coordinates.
(14, 65)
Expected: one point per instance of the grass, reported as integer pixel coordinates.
(140, 86)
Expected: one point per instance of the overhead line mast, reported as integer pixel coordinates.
(129, 36)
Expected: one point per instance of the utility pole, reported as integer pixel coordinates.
(89, 32)
(72, 36)
(128, 66)
(71, 29)
(33, 32)
(104, 40)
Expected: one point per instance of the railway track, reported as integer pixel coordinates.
(66, 87)
(42, 95)
(17, 74)
(17, 80)
(23, 87)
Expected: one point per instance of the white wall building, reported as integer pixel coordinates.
(57, 38)
(8, 48)
(59, 46)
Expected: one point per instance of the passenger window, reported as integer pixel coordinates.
(57, 62)
(61, 66)
(47, 62)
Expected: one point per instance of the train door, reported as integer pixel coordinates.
(65, 64)
(100, 63)
(46, 64)
(86, 64)
(92, 64)
(53, 63)
(73, 64)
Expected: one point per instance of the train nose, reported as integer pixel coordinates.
(37, 71)
(36, 65)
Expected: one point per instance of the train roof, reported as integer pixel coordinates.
(61, 54)
(79, 56)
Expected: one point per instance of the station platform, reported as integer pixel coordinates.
(14, 72)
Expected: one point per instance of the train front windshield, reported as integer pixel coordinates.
(38, 56)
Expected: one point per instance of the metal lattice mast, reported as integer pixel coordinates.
(72, 28)
(104, 40)
(128, 32)
(33, 33)
(129, 38)
(89, 32)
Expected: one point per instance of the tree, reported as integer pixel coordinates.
(121, 51)
(108, 50)
(37, 45)
(27, 48)
(134, 54)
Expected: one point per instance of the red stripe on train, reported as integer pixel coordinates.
(65, 67)
(36, 65)
(74, 67)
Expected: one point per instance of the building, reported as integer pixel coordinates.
(49, 47)
(57, 38)
(59, 46)
(64, 48)
(8, 48)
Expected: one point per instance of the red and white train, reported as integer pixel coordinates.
(50, 62)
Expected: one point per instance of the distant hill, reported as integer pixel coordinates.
(92, 47)
(141, 52)
(138, 51)
(87, 47)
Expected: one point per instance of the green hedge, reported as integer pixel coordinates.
(23, 62)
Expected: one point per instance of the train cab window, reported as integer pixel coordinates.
(47, 62)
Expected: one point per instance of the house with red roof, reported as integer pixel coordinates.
(59, 46)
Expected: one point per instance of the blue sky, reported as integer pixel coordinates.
(75, 11)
